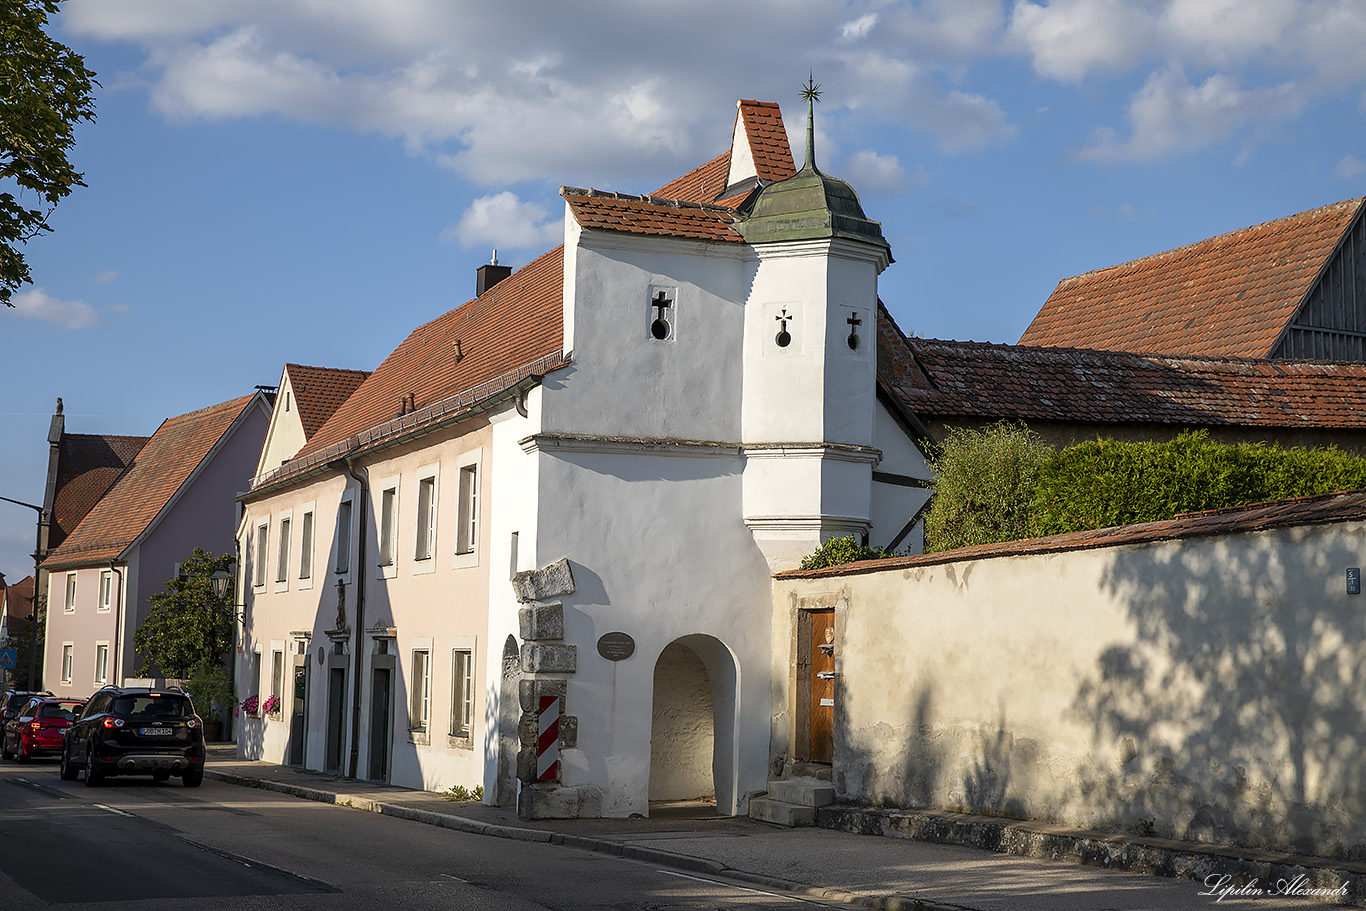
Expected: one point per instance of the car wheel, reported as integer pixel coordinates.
(93, 776)
(21, 753)
(193, 778)
(68, 771)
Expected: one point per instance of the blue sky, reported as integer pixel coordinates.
(305, 181)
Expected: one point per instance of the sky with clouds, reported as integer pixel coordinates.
(308, 180)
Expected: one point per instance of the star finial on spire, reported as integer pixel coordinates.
(811, 93)
(812, 90)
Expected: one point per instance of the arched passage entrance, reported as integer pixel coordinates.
(693, 724)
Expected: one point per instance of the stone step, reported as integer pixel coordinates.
(766, 809)
(805, 792)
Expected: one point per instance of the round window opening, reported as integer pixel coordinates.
(783, 338)
(659, 328)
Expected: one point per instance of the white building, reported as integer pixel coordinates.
(578, 485)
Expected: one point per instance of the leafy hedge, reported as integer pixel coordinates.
(1004, 483)
(841, 550)
(1103, 482)
(985, 486)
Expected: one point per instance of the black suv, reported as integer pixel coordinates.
(136, 731)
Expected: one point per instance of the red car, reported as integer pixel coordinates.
(39, 728)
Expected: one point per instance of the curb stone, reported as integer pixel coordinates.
(597, 845)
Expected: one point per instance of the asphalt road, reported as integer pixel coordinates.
(133, 843)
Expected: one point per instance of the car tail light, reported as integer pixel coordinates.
(113, 722)
(35, 725)
(194, 722)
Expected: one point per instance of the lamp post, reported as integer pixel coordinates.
(33, 621)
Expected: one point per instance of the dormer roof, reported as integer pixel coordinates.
(320, 391)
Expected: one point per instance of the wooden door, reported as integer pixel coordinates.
(822, 686)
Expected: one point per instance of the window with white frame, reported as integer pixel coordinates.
(69, 605)
(262, 541)
(426, 517)
(101, 662)
(388, 525)
(282, 562)
(68, 660)
(254, 681)
(343, 537)
(106, 589)
(277, 678)
(420, 691)
(462, 692)
(467, 519)
(306, 546)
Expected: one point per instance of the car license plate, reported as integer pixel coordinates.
(155, 732)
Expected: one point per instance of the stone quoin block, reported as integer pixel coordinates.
(538, 658)
(553, 581)
(526, 764)
(529, 692)
(541, 622)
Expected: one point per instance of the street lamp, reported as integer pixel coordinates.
(221, 580)
(33, 621)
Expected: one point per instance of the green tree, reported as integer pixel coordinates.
(45, 90)
(188, 625)
(984, 486)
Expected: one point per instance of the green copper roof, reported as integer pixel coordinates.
(809, 205)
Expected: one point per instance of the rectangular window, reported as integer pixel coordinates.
(106, 588)
(344, 537)
(70, 604)
(102, 663)
(306, 547)
(467, 528)
(255, 681)
(388, 506)
(277, 677)
(462, 692)
(426, 518)
(68, 660)
(282, 564)
(420, 703)
(262, 540)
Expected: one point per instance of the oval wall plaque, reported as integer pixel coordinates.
(616, 646)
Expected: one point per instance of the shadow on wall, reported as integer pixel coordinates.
(1238, 706)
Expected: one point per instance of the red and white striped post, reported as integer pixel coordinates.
(548, 739)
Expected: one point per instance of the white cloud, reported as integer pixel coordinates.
(1169, 116)
(36, 303)
(870, 170)
(1350, 167)
(105, 277)
(1069, 39)
(504, 221)
(855, 29)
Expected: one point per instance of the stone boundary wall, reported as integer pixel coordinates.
(1206, 689)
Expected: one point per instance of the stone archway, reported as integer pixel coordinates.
(693, 726)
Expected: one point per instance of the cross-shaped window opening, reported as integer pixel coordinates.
(660, 327)
(783, 338)
(854, 322)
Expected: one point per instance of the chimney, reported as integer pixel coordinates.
(489, 275)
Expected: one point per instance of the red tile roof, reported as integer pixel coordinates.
(320, 391)
(513, 330)
(18, 603)
(1228, 296)
(651, 215)
(702, 184)
(768, 148)
(163, 466)
(767, 140)
(945, 379)
(87, 466)
(1348, 506)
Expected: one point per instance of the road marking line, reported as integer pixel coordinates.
(112, 810)
(717, 882)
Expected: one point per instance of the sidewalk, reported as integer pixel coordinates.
(891, 873)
